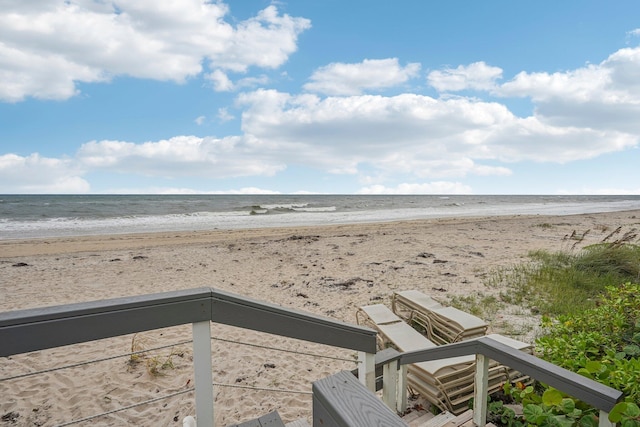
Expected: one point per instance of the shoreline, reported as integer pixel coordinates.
(96, 242)
(71, 216)
(327, 270)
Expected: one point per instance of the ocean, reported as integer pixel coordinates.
(40, 216)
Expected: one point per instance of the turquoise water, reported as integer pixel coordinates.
(33, 216)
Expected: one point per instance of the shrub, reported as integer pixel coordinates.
(602, 343)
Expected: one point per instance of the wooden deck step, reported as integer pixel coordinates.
(271, 419)
(430, 420)
(411, 417)
(298, 423)
(461, 420)
(444, 419)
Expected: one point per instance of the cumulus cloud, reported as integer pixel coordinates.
(603, 191)
(579, 114)
(476, 76)
(188, 191)
(601, 96)
(46, 50)
(220, 80)
(420, 135)
(180, 156)
(354, 79)
(37, 174)
(437, 187)
(265, 40)
(579, 85)
(224, 115)
(222, 83)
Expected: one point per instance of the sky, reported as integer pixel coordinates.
(326, 97)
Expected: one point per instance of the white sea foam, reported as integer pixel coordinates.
(120, 215)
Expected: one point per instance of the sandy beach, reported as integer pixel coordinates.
(325, 270)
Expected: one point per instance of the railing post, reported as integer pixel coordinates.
(367, 370)
(481, 390)
(390, 384)
(203, 376)
(604, 420)
(402, 390)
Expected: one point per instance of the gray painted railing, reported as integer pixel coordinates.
(41, 328)
(593, 393)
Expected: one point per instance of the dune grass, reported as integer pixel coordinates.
(560, 283)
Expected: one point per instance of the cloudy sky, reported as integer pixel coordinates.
(331, 96)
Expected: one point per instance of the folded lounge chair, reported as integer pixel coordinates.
(446, 383)
(442, 325)
(392, 330)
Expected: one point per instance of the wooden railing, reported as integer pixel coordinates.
(394, 370)
(41, 328)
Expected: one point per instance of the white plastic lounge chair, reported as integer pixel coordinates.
(442, 325)
(447, 383)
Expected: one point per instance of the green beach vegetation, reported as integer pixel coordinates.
(589, 300)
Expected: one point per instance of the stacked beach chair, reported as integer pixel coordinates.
(443, 325)
(446, 383)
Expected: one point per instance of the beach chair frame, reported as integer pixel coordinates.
(448, 384)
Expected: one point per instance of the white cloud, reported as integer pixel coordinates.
(265, 40)
(37, 174)
(579, 114)
(220, 80)
(579, 85)
(426, 137)
(354, 79)
(604, 97)
(602, 191)
(224, 115)
(180, 156)
(200, 120)
(476, 76)
(46, 50)
(187, 191)
(437, 187)
(246, 190)
(532, 139)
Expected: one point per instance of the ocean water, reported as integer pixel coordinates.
(37, 216)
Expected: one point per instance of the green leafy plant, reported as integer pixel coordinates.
(591, 325)
(503, 415)
(602, 343)
(625, 413)
(542, 407)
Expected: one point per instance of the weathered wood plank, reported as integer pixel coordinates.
(481, 390)
(576, 385)
(22, 331)
(243, 312)
(271, 419)
(40, 328)
(341, 400)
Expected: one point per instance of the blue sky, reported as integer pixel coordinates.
(369, 97)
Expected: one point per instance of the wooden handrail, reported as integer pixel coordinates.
(592, 392)
(34, 329)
